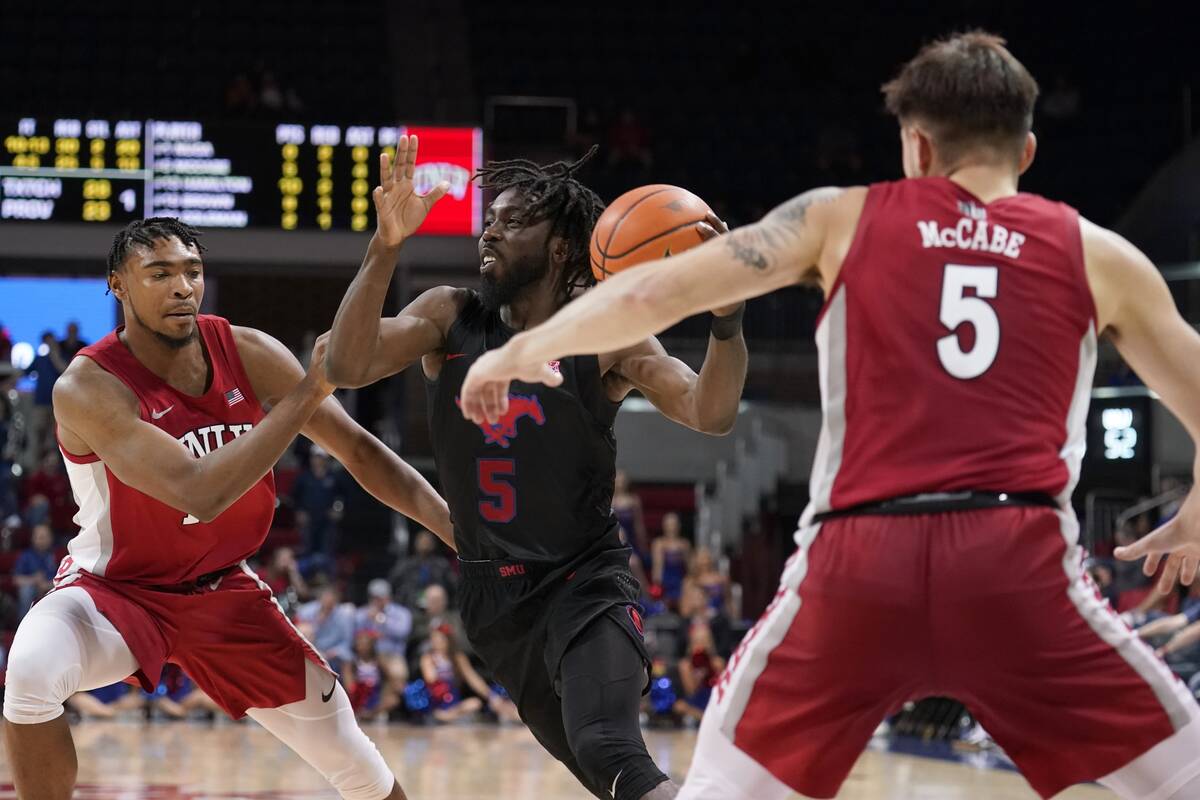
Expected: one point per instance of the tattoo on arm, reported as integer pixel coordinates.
(757, 246)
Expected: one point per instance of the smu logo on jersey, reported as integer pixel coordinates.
(203, 441)
(504, 431)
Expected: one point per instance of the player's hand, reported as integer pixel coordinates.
(1178, 540)
(484, 395)
(398, 208)
(316, 365)
(712, 227)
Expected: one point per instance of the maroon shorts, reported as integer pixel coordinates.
(991, 607)
(230, 636)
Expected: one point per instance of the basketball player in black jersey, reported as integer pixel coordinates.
(548, 600)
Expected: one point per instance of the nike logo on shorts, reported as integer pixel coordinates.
(161, 414)
(325, 698)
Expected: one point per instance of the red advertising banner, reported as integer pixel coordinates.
(452, 155)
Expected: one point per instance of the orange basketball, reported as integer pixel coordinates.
(643, 224)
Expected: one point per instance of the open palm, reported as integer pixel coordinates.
(398, 208)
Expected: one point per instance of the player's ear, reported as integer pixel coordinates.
(924, 152)
(116, 285)
(558, 250)
(1027, 153)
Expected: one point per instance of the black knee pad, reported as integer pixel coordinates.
(602, 676)
(616, 765)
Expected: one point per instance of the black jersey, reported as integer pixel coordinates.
(537, 485)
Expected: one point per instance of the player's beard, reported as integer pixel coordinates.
(175, 343)
(496, 292)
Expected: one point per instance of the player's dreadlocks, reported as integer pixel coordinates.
(552, 192)
(146, 232)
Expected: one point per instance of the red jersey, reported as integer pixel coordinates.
(957, 348)
(127, 535)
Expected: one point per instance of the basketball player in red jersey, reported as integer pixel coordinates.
(939, 554)
(169, 452)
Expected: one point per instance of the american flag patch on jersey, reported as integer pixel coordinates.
(234, 396)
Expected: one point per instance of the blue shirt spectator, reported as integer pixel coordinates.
(330, 626)
(391, 622)
(46, 368)
(35, 568)
(317, 498)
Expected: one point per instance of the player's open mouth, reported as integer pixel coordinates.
(487, 261)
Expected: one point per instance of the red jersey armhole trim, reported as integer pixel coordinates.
(851, 254)
(1075, 242)
(90, 458)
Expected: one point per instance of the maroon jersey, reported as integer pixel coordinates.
(957, 347)
(127, 535)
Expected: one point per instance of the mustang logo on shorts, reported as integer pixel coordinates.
(504, 431)
(636, 617)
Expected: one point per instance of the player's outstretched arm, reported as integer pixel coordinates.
(1182, 640)
(1134, 306)
(705, 402)
(362, 349)
(274, 371)
(779, 250)
(93, 406)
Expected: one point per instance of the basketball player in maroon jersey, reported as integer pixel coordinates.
(169, 450)
(939, 554)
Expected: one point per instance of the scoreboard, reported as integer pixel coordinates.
(226, 174)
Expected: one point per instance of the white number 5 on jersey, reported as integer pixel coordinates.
(957, 308)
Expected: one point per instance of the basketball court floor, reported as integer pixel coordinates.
(193, 761)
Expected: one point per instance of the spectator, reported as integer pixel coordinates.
(447, 671)
(46, 367)
(628, 508)
(694, 605)
(108, 702)
(176, 695)
(1101, 573)
(317, 497)
(671, 553)
(1171, 624)
(372, 695)
(391, 624)
(704, 573)
(52, 483)
(698, 672)
(284, 578)
(329, 625)
(71, 345)
(435, 612)
(35, 568)
(424, 568)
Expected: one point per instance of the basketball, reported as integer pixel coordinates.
(643, 224)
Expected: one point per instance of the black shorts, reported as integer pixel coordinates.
(521, 616)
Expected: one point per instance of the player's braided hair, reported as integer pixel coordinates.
(553, 192)
(146, 232)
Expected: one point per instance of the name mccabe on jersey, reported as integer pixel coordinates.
(972, 234)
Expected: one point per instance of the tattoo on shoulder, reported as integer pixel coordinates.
(755, 245)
